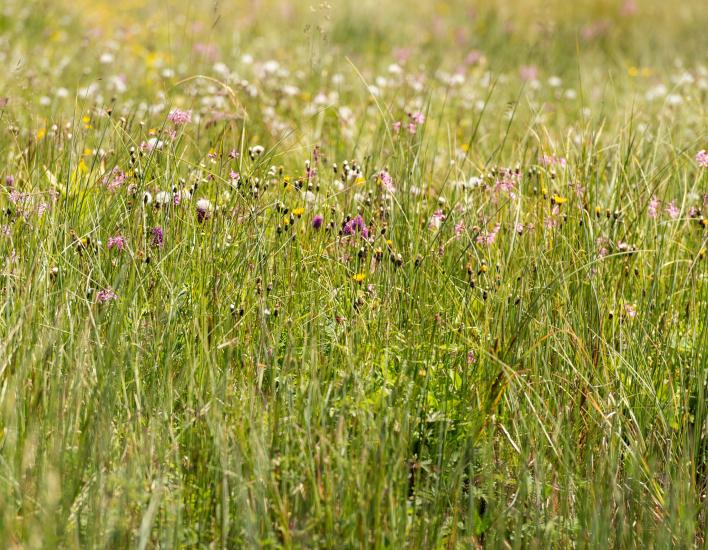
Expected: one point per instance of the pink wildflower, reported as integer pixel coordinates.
(654, 205)
(151, 144)
(417, 117)
(105, 295)
(117, 242)
(179, 117)
(602, 243)
(387, 181)
(114, 179)
(630, 311)
(552, 160)
(473, 57)
(436, 219)
(528, 73)
(488, 238)
(702, 158)
(629, 8)
(672, 210)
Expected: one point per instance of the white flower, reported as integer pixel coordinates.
(473, 182)
(204, 205)
(256, 150)
(163, 198)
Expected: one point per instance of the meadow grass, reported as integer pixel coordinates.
(369, 274)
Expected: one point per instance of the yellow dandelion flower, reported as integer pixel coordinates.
(299, 211)
(359, 277)
(557, 199)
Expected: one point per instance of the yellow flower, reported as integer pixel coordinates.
(359, 278)
(632, 71)
(360, 181)
(557, 199)
(299, 211)
(41, 133)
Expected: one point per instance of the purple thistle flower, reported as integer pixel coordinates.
(157, 236)
(356, 225)
(317, 221)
